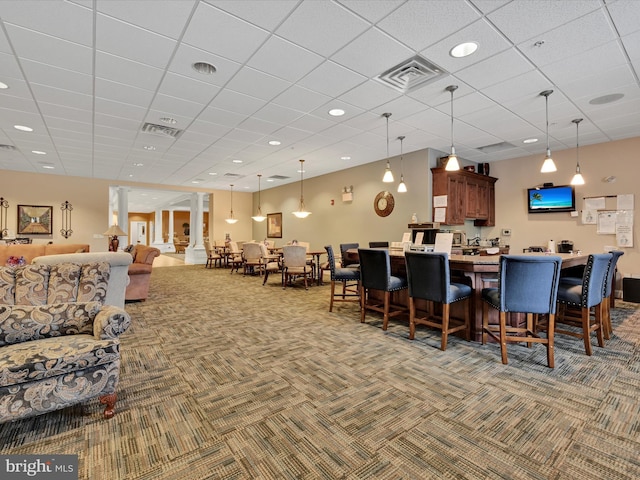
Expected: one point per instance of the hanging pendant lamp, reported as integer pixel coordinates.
(402, 187)
(577, 178)
(259, 217)
(301, 212)
(452, 162)
(231, 218)
(388, 174)
(548, 165)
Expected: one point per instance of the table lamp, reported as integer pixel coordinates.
(113, 233)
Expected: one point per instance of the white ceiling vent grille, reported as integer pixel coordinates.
(279, 177)
(233, 175)
(7, 147)
(161, 130)
(411, 74)
(496, 147)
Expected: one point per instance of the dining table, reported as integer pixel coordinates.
(480, 271)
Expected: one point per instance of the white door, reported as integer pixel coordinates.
(138, 233)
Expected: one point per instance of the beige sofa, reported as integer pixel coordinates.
(140, 272)
(31, 250)
(59, 342)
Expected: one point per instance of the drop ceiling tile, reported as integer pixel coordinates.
(600, 83)
(632, 45)
(118, 109)
(284, 60)
(186, 56)
(55, 123)
(59, 111)
(626, 15)
(167, 18)
(188, 89)
(311, 123)
(527, 85)
(322, 27)
(372, 53)
(267, 15)
(9, 68)
(276, 114)
(134, 43)
(236, 102)
(301, 99)
(222, 117)
(523, 20)
(369, 95)
(495, 69)
(215, 130)
(212, 29)
(58, 96)
(257, 84)
(12, 105)
(119, 92)
(128, 72)
(331, 79)
(176, 107)
(116, 122)
(420, 24)
(44, 74)
(49, 50)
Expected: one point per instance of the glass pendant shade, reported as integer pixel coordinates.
(452, 162)
(388, 174)
(548, 165)
(577, 178)
(259, 217)
(231, 218)
(302, 211)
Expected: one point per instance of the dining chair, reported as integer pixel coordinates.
(375, 274)
(607, 328)
(294, 264)
(344, 257)
(429, 278)
(271, 262)
(310, 260)
(234, 256)
(213, 257)
(378, 244)
(348, 277)
(584, 298)
(252, 255)
(529, 285)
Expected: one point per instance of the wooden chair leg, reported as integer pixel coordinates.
(467, 319)
(485, 321)
(333, 292)
(385, 320)
(586, 329)
(550, 330)
(503, 337)
(363, 302)
(529, 327)
(446, 308)
(412, 319)
(598, 324)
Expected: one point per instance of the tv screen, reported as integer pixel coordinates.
(551, 199)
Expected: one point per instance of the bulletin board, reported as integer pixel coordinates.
(611, 221)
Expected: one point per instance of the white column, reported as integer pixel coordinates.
(158, 241)
(123, 214)
(195, 253)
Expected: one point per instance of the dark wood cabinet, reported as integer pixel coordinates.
(470, 196)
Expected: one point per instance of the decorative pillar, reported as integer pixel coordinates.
(123, 213)
(195, 253)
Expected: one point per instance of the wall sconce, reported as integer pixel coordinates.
(4, 207)
(347, 193)
(66, 208)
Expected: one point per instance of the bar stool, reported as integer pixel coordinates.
(349, 277)
(526, 285)
(429, 278)
(375, 274)
(585, 296)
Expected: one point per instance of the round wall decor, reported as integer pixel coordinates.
(383, 204)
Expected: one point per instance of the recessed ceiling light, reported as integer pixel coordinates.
(138, 164)
(336, 112)
(463, 49)
(274, 142)
(530, 140)
(48, 167)
(196, 181)
(149, 147)
(23, 128)
(212, 173)
(345, 158)
(204, 68)
(38, 152)
(270, 180)
(236, 161)
(3, 85)
(169, 120)
(606, 99)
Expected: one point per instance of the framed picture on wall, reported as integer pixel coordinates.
(35, 220)
(274, 225)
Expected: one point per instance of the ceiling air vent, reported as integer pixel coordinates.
(161, 130)
(496, 147)
(278, 177)
(411, 74)
(233, 175)
(7, 147)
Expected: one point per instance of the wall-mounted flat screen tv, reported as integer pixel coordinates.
(560, 198)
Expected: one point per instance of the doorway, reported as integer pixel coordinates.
(138, 233)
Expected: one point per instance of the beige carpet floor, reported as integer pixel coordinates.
(223, 378)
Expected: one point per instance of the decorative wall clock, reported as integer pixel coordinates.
(383, 204)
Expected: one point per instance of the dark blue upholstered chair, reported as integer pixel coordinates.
(589, 293)
(349, 277)
(375, 274)
(529, 285)
(429, 278)
(346, 263)
(378, 244)
(607, 328)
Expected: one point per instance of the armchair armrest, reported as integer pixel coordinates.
(110, 322)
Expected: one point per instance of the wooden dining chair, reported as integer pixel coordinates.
(348, 279)
(294, 264)
(529, 285)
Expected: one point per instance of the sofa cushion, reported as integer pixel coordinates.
(50, 357)
(7, 285)
(32, 283)
(23, 323)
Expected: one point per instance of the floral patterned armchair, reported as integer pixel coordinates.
(59, 342)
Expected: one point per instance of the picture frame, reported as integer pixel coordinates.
(274, 225)
(35, 220)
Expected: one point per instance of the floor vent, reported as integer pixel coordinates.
(161, 130)
(411, 74)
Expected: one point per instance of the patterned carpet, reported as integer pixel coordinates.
(223, 378)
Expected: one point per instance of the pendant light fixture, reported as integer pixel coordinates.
(231, 218)
(548, 165)
(452, 162)
(388, 175)
(301, 212)
(577, 178)
(259, 217)
(402, 187)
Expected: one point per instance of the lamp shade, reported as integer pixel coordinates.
(115, 231)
